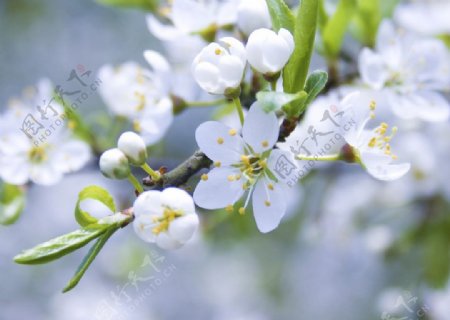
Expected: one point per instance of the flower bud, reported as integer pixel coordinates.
(133, 146)
(114, 164)
(219, 69)
(268, 52)
(252, 15)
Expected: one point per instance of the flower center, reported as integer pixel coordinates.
(163, 222)
(251, 166)
(381, 140)
(37, 154)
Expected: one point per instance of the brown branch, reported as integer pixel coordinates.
(182, 173)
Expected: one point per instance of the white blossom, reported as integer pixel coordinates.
(45, 157)
(427, 17)
(252, 15)
(243, 164)
(219, 69)
(267, 51)
(140, 95)
(167, 218)
(411, 71)
(371, 147)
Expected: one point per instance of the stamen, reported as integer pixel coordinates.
(232, 132)
(220, 140)
(265, 143)
(204, 177)
(217, 164)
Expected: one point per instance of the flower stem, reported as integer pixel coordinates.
(237, 103)
(201, 104)
(135, 183)
(331, 157)
(152, 173)
(273, 85)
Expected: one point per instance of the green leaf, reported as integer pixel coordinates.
(60, 246)
(150, 5)
(89, 258)
(95, 193)
(12, 203)
(366, 21)
(437, 260)
(334, 30)
(281, 15)
(274, 101)
(314, 85)
(295, 72)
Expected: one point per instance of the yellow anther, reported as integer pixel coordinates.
(137, 126)
(229, 208)
(241, 210)
(231, 178)
(245, 159)
(71, 124)
(270, 186)
(218, 51)
(204, 177)
(267, 203)
(372, 115)
(238, 177)
(245, 186)
(232, 132)
(373, 105)
(372, 142)
(265, 143)
(217, 164)
(220, 140)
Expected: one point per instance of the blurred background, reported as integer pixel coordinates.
(350, 248)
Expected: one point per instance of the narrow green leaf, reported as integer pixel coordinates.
(274, 101)
(281, 15)
(95, 193)
(334, 30)
(60, 246)
(366, 21)
(295, 72)
(12, 203)
(89, 258)
(314, 85)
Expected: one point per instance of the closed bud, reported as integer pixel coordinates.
(114, 164)
(268, 52)
(133, 146)
(252, 15)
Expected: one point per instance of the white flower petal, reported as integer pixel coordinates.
(269, 206)
(231, 71)
(372, 69)
(178, 199)
(190, 16)
(260, 129)
(164, 241)
(148, 203)
(143, 226)
(45, 174)
(71, 156)
(182, 229)
(217, 192)
(14, 170)
(380, 167)
(219, 142)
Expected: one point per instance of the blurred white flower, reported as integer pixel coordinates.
(427, 17)
(371, 147)
(267, 51)
(243, 164)
(114, 164)
(411, 70)
(167, 218)
(140, 95)
(191, 16)
(252, 15)
(219, 69)
(44, 156)
(133, 146)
